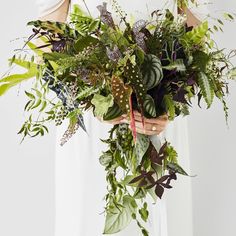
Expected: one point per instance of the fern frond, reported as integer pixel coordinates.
(206, 87)
(85, 92)
(169, 104)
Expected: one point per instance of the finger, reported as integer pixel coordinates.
(147, 132)
(161, 117)
(149, 127)
(157, 120)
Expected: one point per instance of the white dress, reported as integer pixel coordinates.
(80, 179)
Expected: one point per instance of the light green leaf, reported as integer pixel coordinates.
(141, 146)
(144, 212)
(178, 65)
(12, 80)
(34, 48)
(105, 159)
(119, 219)
(102, 104)
(196, 35)
(232, 73)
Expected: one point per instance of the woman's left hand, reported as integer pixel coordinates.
(152, 126)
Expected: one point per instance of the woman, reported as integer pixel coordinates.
(80, 180)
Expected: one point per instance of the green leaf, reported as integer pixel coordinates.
(55, 56)
(141, 145)
(12, 80)
(196, 35)
(119, 160)
(119, 219)
(176, 167)
(201, 59)
(84, 42)
(152, 71)
(105, 159)
(228, 16)
(232, 73)
(169, 105)
(102, 104)
(34, 48)
(144, 212)
(113, 112)
(206, 88)
(178, 65)
(30, 95)
(149, 105)
(86, 92)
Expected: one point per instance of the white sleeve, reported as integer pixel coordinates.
(46, 7)
(200, 9)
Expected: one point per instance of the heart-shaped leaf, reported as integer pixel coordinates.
(118, 219)
(152, 71)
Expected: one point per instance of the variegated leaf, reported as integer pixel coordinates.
(134, 77)
(149, 106)
(121, 93)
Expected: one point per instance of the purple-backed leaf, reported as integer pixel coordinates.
(180, 96)
(113, 54)
(159, 190)
(58, 46)
(150, 179)
(166, 185)
(105, 15)
(143, 182)
(154, 156)
(163, 147)
(150, 186)
(139, 25)
(136, 179)
(140, 40)
(172, 176)
(163, 178)
(191, 81)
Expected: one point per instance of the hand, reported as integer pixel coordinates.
(152, 126)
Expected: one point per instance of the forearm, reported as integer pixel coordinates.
(192, 20)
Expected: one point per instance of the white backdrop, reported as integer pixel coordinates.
(212, 150)
(27, 170)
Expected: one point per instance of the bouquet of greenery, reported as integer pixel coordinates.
(154, 67)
